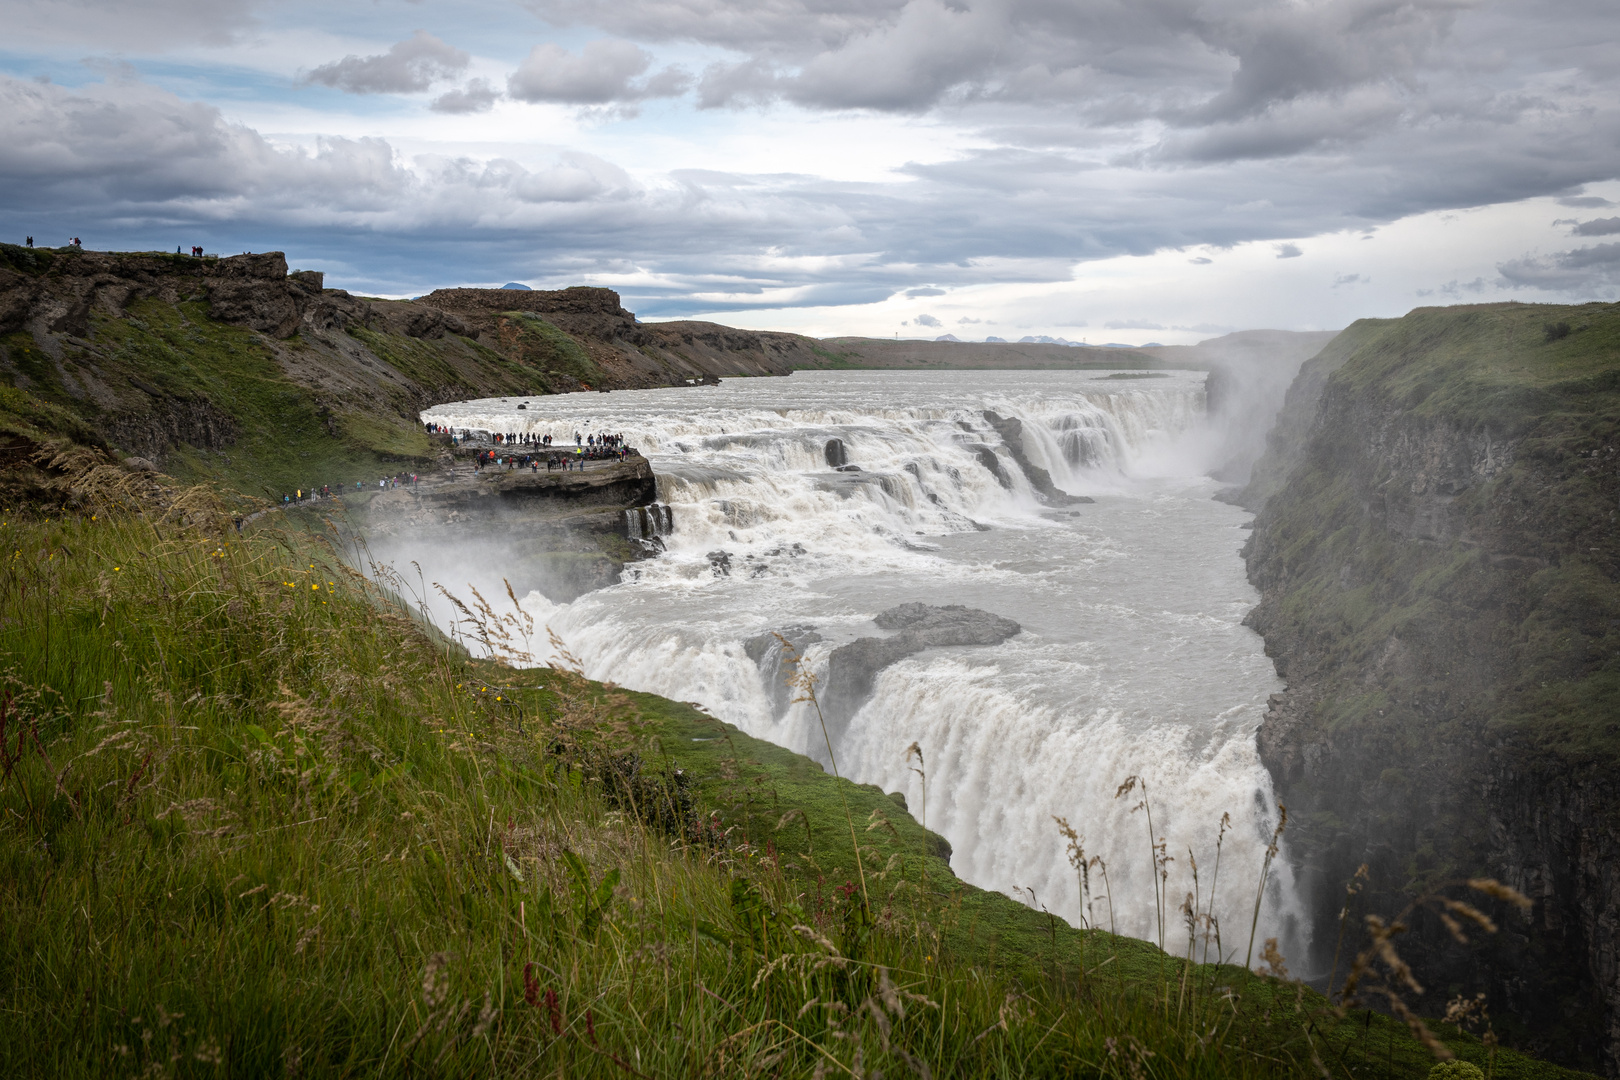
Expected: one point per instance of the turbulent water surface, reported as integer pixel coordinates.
(1132, 659)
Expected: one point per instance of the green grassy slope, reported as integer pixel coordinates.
(160, 376)
(252, 426)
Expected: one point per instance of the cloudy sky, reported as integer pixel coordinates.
(1099, 170)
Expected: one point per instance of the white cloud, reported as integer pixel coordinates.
(477, 96)
(407, 67)
(602, 73)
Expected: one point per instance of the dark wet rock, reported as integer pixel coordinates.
(992, 461)
(836, 453)
(849, 468)
(720, 563)
(1011, 430)
(852, 668)
(778, 664)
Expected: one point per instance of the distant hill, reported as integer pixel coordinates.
(861, 352)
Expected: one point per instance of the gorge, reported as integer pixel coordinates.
(1415, 651)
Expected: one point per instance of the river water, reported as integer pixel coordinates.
(1133, 660)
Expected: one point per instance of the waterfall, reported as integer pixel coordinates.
(647, 525)
(807, 505)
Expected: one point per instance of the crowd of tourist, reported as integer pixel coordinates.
(529, 450)
(326, 491)
(510, 450)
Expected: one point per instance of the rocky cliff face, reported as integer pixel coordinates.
(562, 533)
(1438, 560)
(629, 353)
(235, 369)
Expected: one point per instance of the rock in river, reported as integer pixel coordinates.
(852, 668)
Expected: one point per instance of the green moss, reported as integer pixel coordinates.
(25, 260)
(385, 435)
(545, 348)
(22, 413)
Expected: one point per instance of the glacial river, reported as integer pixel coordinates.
(1133, 660)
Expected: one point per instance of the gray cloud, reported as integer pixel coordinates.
(601, 74)
(1399, 88)
(1585, 202)
(927, 320)
(123, 26)
(477, 96)
(1287, 251)
(1289, 51)
(407, 67)
(1099, 128)
(926, 291)
(1177, 58)
(1598, 227)
(1589, 272)
(743, 25)
(1131, 324)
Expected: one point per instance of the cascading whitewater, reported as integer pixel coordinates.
(1133, 660)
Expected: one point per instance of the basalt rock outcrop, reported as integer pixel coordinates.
(561, 533)
(777, 657)
(852, 668)
(1438, 555)
(1011, 430)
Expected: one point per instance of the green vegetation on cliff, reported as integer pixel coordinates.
(546, 348)
(214, 401)
(1439, 560)
(1492, 451)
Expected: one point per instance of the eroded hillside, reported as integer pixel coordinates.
(237, 370)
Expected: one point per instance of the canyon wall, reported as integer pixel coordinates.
(1438, 552)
